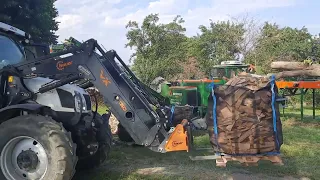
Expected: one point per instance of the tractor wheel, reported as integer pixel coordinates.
(123, 135)
(36, 147)
(104, 137)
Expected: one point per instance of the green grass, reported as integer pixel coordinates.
(300, 153)
(102, 109)
(130, 176)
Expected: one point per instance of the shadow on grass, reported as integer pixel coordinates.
(141, 163)
(299, 152)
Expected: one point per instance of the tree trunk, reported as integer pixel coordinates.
(295, 69)
(298, 73)
(285, 65)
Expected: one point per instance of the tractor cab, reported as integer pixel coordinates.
(228, 69)
(10, 52)
(15, 46)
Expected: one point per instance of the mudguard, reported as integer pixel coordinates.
(8, 111)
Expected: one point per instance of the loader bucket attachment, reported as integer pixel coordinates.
(178, 140)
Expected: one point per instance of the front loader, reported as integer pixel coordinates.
(47, 126)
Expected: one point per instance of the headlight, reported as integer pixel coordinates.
(79, 102)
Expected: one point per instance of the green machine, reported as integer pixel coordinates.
(196, 92)
(227, 69)
(67, 44)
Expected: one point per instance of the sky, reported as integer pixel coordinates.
(105, 20)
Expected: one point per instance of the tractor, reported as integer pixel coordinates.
(48, 128)
(45, 135)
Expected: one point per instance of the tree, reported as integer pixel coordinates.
(280, 44)
(216, 43)
(252, 29)
(190, 70)
(36, 17)
(159, 48)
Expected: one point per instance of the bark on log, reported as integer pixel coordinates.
(298, 73)
(285, 65)
(295, 69)
(244, 117)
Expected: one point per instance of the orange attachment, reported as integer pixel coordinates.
(178, 139)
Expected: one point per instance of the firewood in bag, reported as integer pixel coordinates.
(244, 117)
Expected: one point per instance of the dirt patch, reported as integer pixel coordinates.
(182, 172)
(139, 160)
(113, 122)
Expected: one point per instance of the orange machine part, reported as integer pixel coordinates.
(178, 139)
(299, 84)
(199, 80)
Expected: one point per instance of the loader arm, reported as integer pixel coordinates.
(138, 111)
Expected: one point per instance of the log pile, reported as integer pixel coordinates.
(295, 69)
(244, 117)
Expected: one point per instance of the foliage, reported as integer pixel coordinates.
(218, 42)
(252, 29)
(190, 70)
(164, 50)
(285, 44)
(159, 47)
(36, 17)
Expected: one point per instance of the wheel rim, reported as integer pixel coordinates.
(23, 158)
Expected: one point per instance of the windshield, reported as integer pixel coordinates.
(9, 52)
(218, 73)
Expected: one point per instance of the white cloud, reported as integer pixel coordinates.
(68, 21)
(105, 21)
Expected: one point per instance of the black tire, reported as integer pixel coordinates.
(104, 137)
(55, 140)
(123, 135)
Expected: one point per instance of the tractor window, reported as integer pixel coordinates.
(218, 72)
(9, 52)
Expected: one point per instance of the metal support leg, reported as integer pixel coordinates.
(283, 106)
(301, 102)
(313, 104)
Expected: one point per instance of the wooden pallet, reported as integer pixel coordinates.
(248, 160)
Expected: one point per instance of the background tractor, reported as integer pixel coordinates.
(67, 44)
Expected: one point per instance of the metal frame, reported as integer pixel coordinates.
(128, 99)
(303, 87)
(8, 28)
